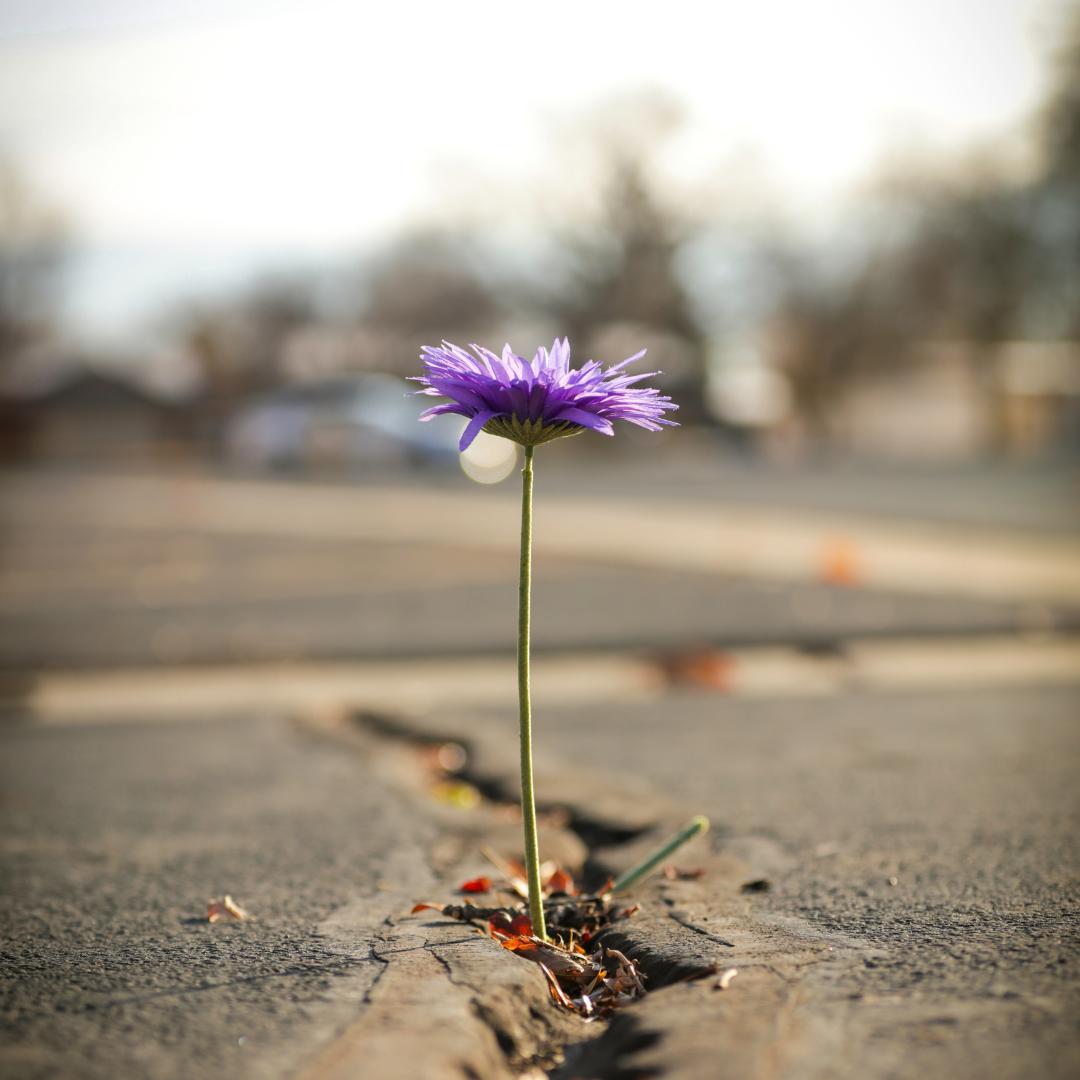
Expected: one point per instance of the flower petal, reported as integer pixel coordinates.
(585, 419)
(473, 429)
(442, 410)
(537, 399)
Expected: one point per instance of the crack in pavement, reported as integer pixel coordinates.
(700, 930)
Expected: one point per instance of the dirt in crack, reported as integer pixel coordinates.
(447, 762)
(591, 964)
(583, 976)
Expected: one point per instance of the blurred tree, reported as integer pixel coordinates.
(826, 330)
(619, 253)
(238, 346)
(969, 256)
(1061, 116)
(420, 289)
(425, 287)
(1056, 202)
(33, 245)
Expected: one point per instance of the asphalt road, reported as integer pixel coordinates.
(114, 837)
(1035, 496)
(106, 599)
(933, 836)
(84, 583)
(929, 833)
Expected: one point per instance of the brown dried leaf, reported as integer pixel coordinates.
(427, 907)
(840, 562)
(511, 869)
(559, 881)
(558, 994)
(677, 873)
(562, 962)
(503, 924)
(701, 667)
(225, 908)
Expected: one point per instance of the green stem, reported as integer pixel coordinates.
(528, 794)
(655, 858)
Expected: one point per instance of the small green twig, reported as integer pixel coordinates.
(647, 865)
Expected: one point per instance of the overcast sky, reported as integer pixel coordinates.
(323, 126)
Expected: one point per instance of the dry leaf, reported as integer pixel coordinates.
(590, 984)
(440, 908)
(511, 869)
(841, 562)
(502, 924)
(709, 668)
(559, 881)
(476, 885)
(225, 908)
(558, 994)
(677, 873)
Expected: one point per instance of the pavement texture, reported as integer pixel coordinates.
(918, 853)
(892, 876)
(116, 835)
(218, 686)
(1032, 496)
(120, 572)
(113, 841)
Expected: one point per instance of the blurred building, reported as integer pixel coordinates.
(89, 416)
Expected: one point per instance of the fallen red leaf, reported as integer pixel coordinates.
(477, 885)
(704, 667)
(502, 925)
(841, 563)
(426, 907)
(518, 943)
(559, 881)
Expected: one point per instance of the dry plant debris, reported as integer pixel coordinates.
(588, 981)
(477, 885)
(218, 910)
(677, 873)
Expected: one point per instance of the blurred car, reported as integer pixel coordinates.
(342, 422)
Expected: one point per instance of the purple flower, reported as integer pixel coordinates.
(532, 402)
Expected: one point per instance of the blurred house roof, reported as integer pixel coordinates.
(51, 376)
(91, 389)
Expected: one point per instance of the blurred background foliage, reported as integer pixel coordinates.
(937, 318)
